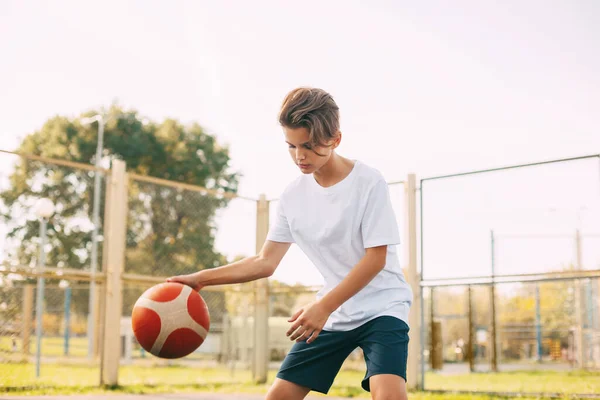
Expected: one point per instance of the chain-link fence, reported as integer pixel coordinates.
(31, 244)
(537, 326)
(510, 263)
(70, 231)
(176, 229)
(171, 229)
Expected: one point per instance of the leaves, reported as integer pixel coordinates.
(169, 230)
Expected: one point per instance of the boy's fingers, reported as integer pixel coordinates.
(293, 328)
(299, 333)
(296, 315)
(313, 337)
(305, 335)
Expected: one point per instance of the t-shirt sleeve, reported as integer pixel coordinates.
(279, 230)
(379, 226)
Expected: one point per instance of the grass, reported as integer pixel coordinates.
(564, 382)
(51, 346)
(19, 379)
(54, 347)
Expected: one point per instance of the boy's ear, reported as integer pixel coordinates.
(337, 140)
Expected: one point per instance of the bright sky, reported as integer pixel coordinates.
(431, 88)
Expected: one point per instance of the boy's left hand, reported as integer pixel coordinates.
(308, 322)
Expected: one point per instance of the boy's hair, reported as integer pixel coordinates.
(313, 109)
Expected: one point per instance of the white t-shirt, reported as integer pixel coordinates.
(333, 226)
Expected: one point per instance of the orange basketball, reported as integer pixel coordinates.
(170, 320)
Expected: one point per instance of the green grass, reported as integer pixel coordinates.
(519, 381)
(51, 346)
(19, 379)
(54, 347)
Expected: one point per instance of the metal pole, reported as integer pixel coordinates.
(67, 319)
(94, 255)
(39, 300)
(538, 323)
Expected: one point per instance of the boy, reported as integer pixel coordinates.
(339, 213)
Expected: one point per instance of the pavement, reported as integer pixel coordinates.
(187, 396)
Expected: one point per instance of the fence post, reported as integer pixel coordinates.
(261, 296)
(115, 231)
(494, 326)
(101, 287)
(471, 342)
(27, 318)
(101, 316)
(67, 332)
(98, 323)
(414, 320)
(433, 346)
(579, 306)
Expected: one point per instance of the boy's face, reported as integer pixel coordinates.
(303, 154)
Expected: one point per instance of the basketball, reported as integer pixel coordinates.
(170, 320)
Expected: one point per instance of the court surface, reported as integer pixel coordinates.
(187, 396)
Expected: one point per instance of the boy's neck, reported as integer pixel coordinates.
(336, 169)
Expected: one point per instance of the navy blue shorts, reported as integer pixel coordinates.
(383, 340)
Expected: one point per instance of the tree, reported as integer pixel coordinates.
(516, 313)
(557, 313)
(169, 231)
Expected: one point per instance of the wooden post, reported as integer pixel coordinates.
(415, 356)
(471, 340)
(101, 298)
(494, 330)
(99, 323)
(115, 232)
(27, 318)
(101, 287)
(432, 329)
(261, 305)
(579, 307)
(437, 346)
(436, 349)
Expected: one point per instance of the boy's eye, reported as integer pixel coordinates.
(307, 146)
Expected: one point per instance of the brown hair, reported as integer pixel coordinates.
(313, 109)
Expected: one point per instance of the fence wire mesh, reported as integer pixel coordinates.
(507, 226)
(176, 229)
(533, 231)
(70, 229)
(173, 230)
(63, 340)
(66, 245)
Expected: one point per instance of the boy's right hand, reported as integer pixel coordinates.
(191, 280)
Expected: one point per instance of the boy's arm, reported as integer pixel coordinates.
(367, 268)
(308, 322)
(248, 269)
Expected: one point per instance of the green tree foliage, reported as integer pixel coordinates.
(169, 230)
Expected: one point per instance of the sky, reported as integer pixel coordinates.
(427, 88)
